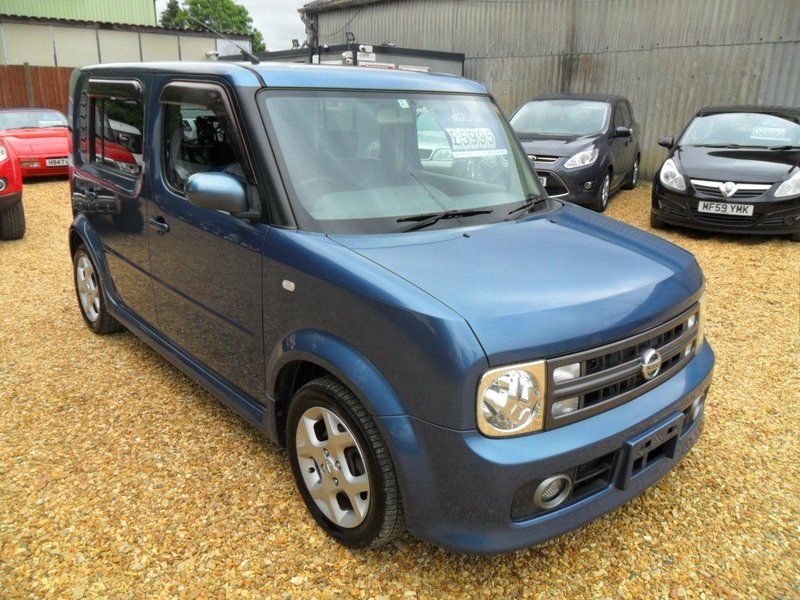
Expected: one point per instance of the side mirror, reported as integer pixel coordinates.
(666, 142)
(216, 191)
(622, 132)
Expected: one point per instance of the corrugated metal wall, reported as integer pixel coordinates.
(134, 12)
(669, 57)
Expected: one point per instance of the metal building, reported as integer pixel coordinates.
(669, 57)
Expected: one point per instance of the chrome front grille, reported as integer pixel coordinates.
(612, 375)
(714, 189)
(543, 159)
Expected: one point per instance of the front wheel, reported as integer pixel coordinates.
(12, 222)
(342, 466)
(600, 203)
(90, 294)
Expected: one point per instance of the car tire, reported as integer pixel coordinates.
(633, 176)
(91, 299)
(12, 222)
(600, 203)
(657, 223)
(347, 483)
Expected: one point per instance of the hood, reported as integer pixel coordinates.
(543, 286)
(552, 146)
(51, 141)
(749, 165)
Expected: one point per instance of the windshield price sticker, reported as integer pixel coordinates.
(769, 133)
(471, 138)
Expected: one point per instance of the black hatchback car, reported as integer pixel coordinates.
(583, 146)
(734, 169)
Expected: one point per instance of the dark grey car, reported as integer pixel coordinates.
(584, 147)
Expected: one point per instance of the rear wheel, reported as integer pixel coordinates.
(12, 222)
(90, 294)
(633, 177)
(342, 466)
(600, 203)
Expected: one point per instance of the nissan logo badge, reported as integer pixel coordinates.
(651, 363)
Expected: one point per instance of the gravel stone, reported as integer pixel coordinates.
(120, 478)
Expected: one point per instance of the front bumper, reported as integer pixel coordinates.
(770, 215)
(43, 170)
(578, 186)
(464, 491)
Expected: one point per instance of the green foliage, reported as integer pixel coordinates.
(225, 16)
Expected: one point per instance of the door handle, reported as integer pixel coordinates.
(159, 224)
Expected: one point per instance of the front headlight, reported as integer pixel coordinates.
(671, 177)
(442, 154)
(790, 187)
(511, 400)
(582, 159)
(3, 153)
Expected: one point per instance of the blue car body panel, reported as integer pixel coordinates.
(408, 322)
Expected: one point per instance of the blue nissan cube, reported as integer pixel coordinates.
(443, 349)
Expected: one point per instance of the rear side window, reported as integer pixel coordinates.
(111, 126)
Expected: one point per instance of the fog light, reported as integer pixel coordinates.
(696, 409)
(3, 184)
(552, 491)
(564, 407)
(588, 185)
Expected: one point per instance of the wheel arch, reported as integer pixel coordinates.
(307, 355)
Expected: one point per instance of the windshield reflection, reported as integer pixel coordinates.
(369, 162)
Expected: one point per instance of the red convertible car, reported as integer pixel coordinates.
(12, 216)
(40, 139)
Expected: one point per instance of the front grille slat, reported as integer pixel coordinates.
(612, 375)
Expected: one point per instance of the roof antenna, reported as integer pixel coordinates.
(245, 54)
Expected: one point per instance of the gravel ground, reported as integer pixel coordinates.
(121, 478)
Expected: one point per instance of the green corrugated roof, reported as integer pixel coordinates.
(135, 12)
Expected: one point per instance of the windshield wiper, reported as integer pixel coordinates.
(527, 205)
(428, 219)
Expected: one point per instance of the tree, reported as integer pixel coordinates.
(222, 15)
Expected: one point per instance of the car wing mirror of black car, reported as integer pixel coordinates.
(667, 142)
(622, 132)
(217, 191)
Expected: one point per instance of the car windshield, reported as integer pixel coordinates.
(561, 117)
(742, 129)
(374, 162)
(31, 119)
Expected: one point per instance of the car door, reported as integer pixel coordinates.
(618, 146)
(206, 264)
(108, 186)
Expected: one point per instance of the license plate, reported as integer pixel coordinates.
(543, 181)
(57, 162)
(725, 208)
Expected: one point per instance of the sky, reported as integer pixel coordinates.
(277, 20)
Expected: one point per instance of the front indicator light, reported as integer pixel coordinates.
(564, 407)
(30, 164)
(510, 400)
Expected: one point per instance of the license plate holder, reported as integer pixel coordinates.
(725, 208)
(652, 446)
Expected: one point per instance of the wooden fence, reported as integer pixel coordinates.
(35, 87)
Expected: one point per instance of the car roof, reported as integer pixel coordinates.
(293, 75)
(610, 98)
(751, 108)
